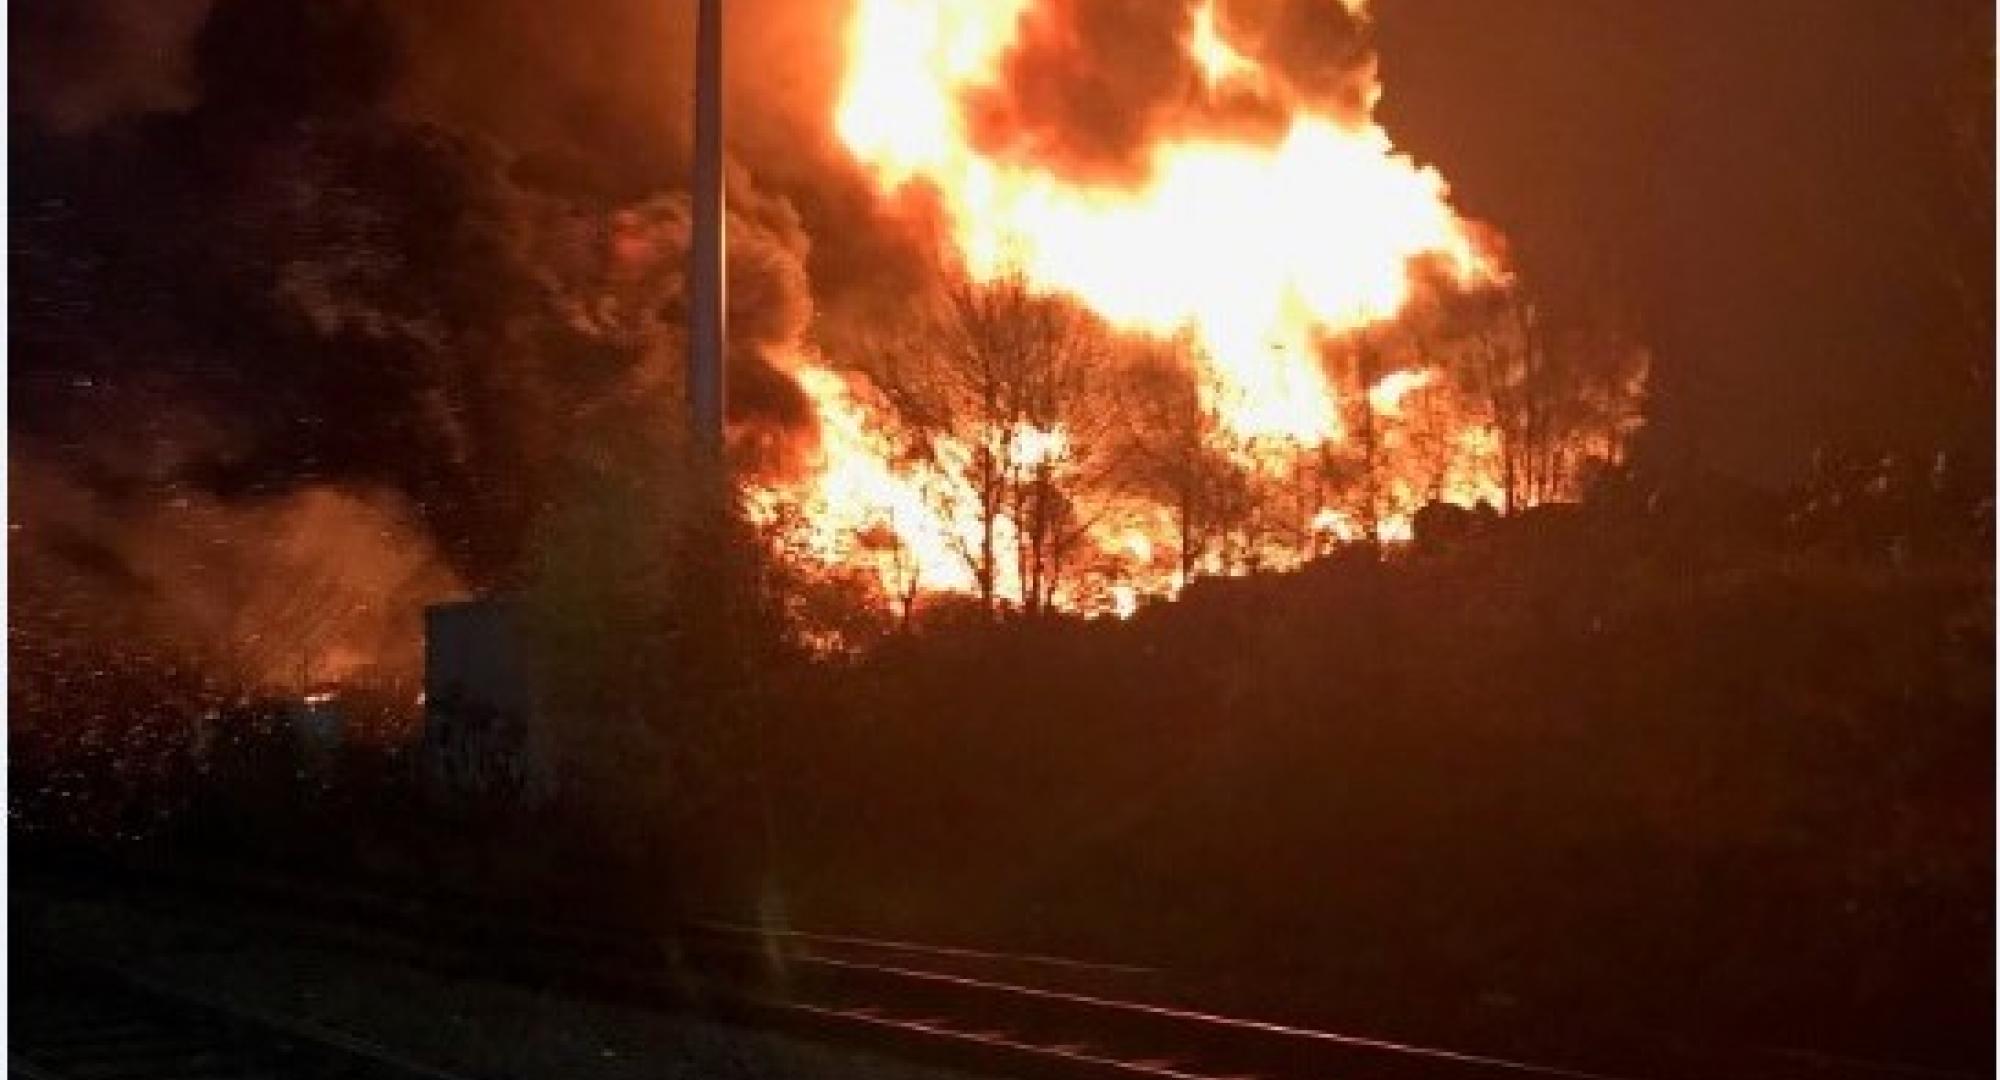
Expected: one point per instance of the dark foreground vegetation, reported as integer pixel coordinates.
(1680, 759)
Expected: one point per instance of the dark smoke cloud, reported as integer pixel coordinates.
(1091, 84)
(1321, 52)
(75, 65)
(593, 99)
(318, 284)
(1086, 84)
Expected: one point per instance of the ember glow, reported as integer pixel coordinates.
(1263, 249)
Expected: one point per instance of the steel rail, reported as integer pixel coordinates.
(855, 991)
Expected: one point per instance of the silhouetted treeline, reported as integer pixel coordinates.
(1685, 757)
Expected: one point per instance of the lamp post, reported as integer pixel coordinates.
(708, 341)
(708, 335)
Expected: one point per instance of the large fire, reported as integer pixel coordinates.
(1259, 250)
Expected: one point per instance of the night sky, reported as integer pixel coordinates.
(1795, 196)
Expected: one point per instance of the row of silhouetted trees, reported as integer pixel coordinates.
(1032, 420)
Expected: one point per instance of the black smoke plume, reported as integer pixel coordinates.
(1090, 85)
(274, 268)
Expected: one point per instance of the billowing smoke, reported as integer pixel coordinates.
(312, 300)
(81, 64)
(1090, 85)
(1323, 52)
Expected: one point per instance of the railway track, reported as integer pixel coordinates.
(987, 1011)
(71, 1019)
(1003, 1013)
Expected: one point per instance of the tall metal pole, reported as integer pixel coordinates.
(707, 332)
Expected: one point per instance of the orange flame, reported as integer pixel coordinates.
(856, 508)
(1311, 235)
(1259, 251)
(1218, 60)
